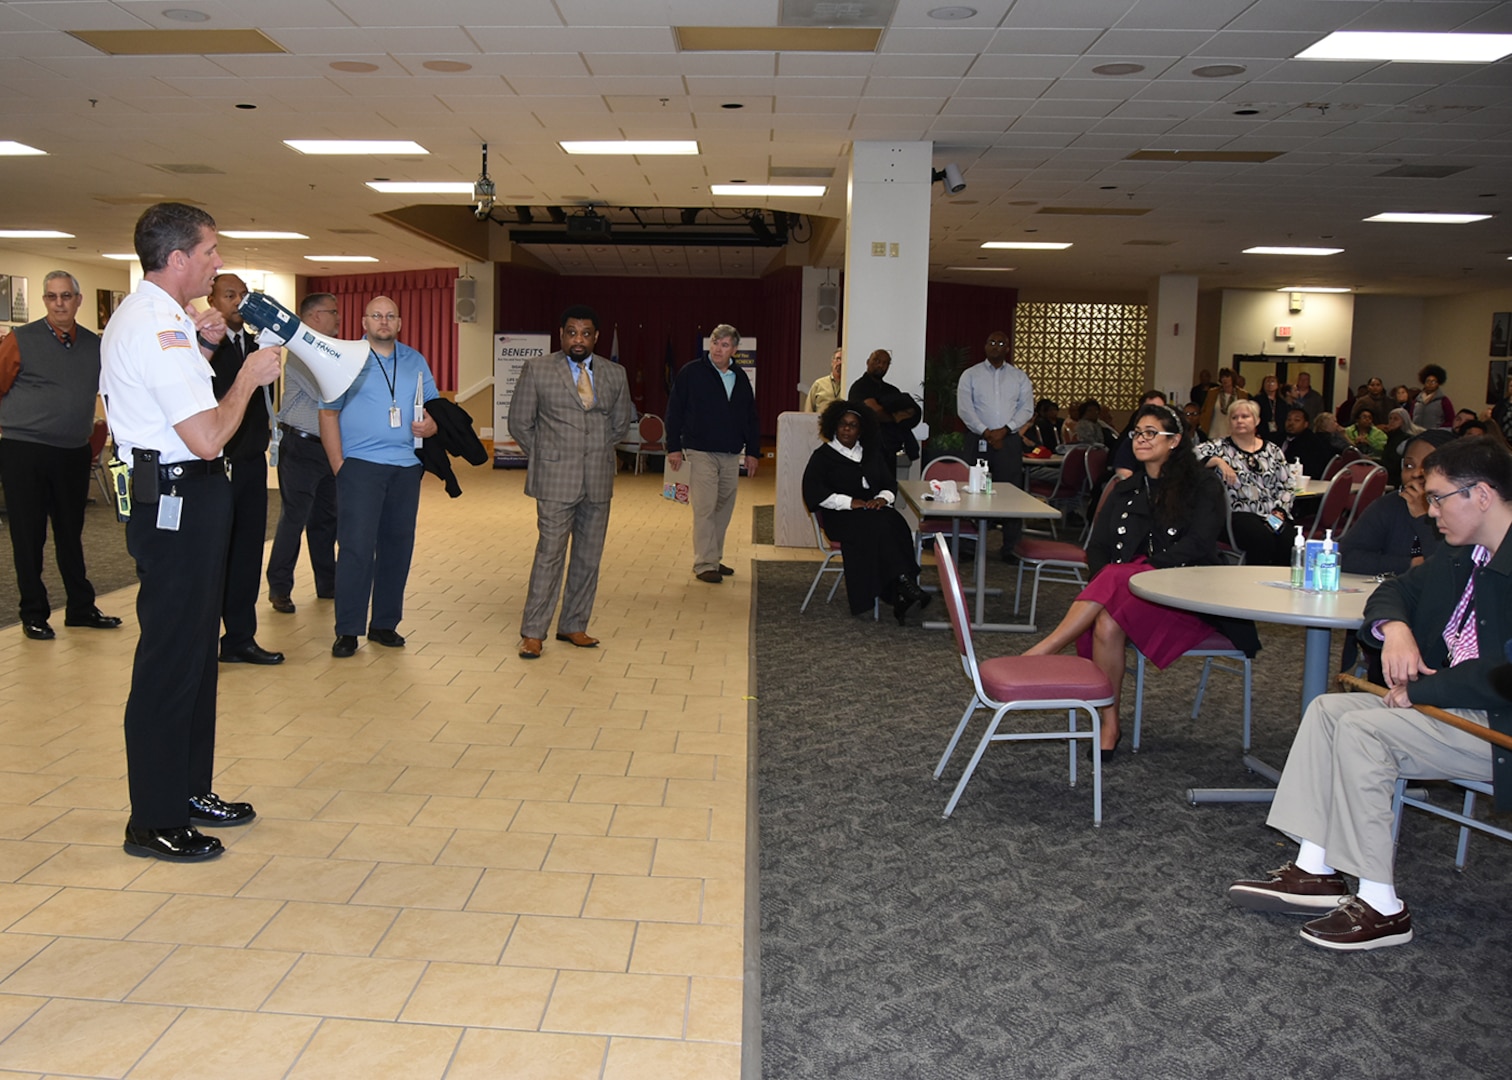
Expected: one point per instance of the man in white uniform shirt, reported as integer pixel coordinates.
(996, 403)
(168, 426)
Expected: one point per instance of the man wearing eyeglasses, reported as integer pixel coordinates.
(1441, 628)
(306, 485)
(368, 434)
(996, 403)
(49, 376)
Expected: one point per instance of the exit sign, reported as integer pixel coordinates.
(1283, 332)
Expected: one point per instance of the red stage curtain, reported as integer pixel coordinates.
(662, 319)
(424, 299)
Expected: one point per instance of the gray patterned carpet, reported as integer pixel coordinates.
(1015, 940)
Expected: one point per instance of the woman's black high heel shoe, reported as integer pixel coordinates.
(901, 606)
(1108, 754)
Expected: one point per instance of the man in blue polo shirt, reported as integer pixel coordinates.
(369, 435)
(711, 419)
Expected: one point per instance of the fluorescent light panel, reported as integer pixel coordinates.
(341, 258)
(1429, 219)
(1024, 245)
(35, 234)
(422, 187)
(355, 146)
(262, 234)
(119, 256)
(17, 149)
(1410, 48)
(799, 191)
(643, 147)
(1313, 288)
(1292, 251)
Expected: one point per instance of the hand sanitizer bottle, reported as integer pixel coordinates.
(1328, 565)
(1299, 560)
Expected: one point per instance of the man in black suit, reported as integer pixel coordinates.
(1299, 442)
(246, 458)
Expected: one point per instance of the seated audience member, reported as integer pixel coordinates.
(1440, 628)
(1327, 426)
(1344, 414)
(1299, 442)
(1259, 486)
(1470, 427)
(1169, 513)
(1193, 414)
(847, 486)
(1432, 409)
(1219, 398)
(1124, 462)
(1081, 426)
(1400, 397)
(1400, 430)
(1045, 431)
(1364, 436)
(1395, 532)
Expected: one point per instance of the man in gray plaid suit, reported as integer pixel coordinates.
(568, 411)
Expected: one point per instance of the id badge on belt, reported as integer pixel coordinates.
(170, 510)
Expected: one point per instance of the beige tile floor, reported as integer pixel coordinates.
(465, 864)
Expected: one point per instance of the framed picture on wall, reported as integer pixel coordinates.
(1501, 330)
(1496, 381)
(106, 301)
(20, 311)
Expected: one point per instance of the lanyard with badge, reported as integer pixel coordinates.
(391, 381)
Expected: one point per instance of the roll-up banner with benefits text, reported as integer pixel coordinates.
(510, 353)
(675, 484)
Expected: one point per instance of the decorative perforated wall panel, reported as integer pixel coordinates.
(1076, 351)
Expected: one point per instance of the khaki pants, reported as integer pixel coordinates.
(711, 494)
(1344, 763)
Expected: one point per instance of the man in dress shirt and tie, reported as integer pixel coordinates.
(568, 411)
(246, 454)
(306, 485)
(996, 403)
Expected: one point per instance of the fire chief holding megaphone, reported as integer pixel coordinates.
(334, 363)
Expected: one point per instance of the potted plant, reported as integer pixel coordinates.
(942, 371)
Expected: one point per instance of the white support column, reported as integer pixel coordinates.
(1173, 338)
(887, 259)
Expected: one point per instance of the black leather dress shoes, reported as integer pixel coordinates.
(95, 620)
(182, 844)
(345, 645)
(211, 810)
(251, 654)
(386, 637)
(38, 630)
(281, 603)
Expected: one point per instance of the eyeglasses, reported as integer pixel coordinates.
(383, 318)
(1149, 434)
(326, 311)
(51, 297)
(1437, 499)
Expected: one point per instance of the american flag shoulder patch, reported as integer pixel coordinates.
(173, 339)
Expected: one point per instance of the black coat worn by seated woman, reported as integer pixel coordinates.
(1126, 529)
(876, 545)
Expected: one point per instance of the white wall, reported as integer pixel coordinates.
(815, 346)
(92, 276)
(1388, 339)
(1324, 327)
(1457, 335)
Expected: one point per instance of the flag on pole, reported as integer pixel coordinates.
(614, 346)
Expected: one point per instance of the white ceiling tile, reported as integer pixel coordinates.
(731, 89)
(1070, 107)
(958, 106)
(617, 39)
(813, 63)
(969, 124)
(921, 66)
(1089, 89)
(883, 86)
(1191, 90)
(80, 15)
(931, 40)
(1301, 15)
(1263, 44)
(900, 106)
(823, 86)
(668, 106)
(1010, 89)
(468, 12)
(1057, 13)
(683, 64)
(417, 39)
(1134, 110)
(1182, 14)
(1132, 44)
(1041, 42)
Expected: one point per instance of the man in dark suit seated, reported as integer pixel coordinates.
(1299, 442)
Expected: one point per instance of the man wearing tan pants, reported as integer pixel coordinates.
(711, 421)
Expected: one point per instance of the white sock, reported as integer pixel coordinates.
(1311, 860)
(1380, 895)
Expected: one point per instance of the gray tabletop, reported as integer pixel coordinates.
(1262, 593)
(1006, 501)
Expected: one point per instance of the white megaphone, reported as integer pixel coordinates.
(334, 363)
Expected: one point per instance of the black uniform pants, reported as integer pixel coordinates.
(42, 484)
(307, 505)
(170, 711)
(249, 529)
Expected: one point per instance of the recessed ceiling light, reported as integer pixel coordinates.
(954, 11)
(245, 105)
(1313, 288)
(422, 187)
(261, 234)
(355, 146)
(1246, 112)
(1118, 69)
(806, 191)
(1024, 245)
(185, 15)
(1292, 251)
(353, 67)
(119, 256)
(1410, 48)
(35, 234)
(1430, 219)
(341, 258)
(446, 65)
(1218, 71)
(632, 146)
(16, 149)
(733, 105)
